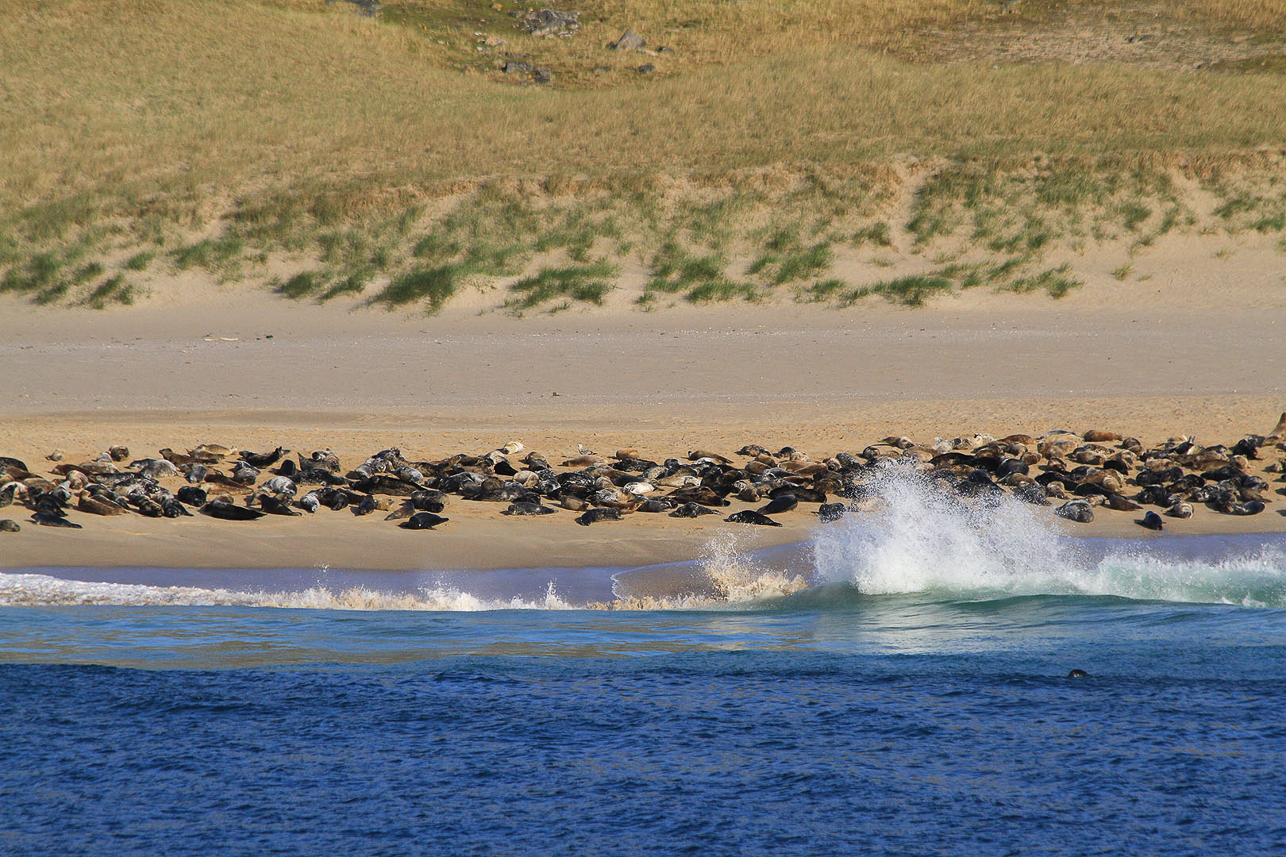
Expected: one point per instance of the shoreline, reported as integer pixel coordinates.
(1146, 364)
(478, 537)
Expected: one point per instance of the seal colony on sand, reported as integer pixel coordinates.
(1073, 473)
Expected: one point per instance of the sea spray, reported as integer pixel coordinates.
(736, 577)
(917, 536)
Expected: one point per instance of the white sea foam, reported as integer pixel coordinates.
(44, 590)
(920, 538)
(737, 578)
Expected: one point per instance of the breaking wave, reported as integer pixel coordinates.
(919, 539)
(911, 538)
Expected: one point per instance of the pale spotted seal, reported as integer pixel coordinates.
(1076, 510)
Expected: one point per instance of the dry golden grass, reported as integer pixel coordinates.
(125, 123)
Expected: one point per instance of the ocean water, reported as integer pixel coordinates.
(896, 685)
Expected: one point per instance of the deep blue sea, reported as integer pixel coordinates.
(897, 685)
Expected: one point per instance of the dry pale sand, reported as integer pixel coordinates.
(1197, 350)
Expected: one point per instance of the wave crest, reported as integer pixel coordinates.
(919, 538)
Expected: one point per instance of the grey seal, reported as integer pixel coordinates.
(524, 508)
(593, 516)
(1076, 510)
(831, 512)
(780, 503)
(230, 511)
(261, 460)
(45, 519)
(423, 521)
(692, 510)
(750, 516)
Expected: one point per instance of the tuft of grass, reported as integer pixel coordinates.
(213, 254)
(45, 277)
(140, 261)
(912, 291)
(674, 269)
(822, 290)
(302, 285)
(1275, 222)
(588, 283)
(114, 289)
(353, 284)
(1133, 214)
(1123, 272)
(577, 232)
(1055, 282)
(721, 290)
(435, 285)
(495, 259)
(877, 233)
(785, 259)
(39, 273)
(436, 246)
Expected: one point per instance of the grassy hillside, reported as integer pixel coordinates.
(392, 157)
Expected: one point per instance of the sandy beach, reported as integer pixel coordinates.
(1195, 356)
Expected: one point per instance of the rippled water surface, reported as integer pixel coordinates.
(898, 685)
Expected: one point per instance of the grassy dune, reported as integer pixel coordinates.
(372, 154)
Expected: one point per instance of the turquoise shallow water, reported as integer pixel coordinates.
(897, 685)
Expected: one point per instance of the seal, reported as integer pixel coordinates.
(45, 519)
(9, 525)
(261, 460)
(423, 521)
(172, 508)
(1078, 674)
(1151, 521)
(156, 468)
(830, 512)
(276, 505)
(1121, 504)
(692, 510)
(225, 511)
(1076, 510)
(750, 516)
(780, 503)
(94, 506)
(593, 516)
(191, 495)
(523, 508)
(1033, 493)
